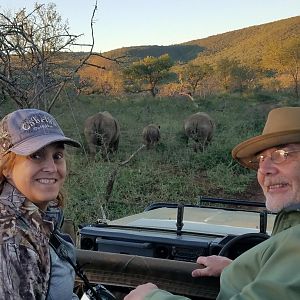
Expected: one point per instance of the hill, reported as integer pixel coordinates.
(248, 44)
(182, 53)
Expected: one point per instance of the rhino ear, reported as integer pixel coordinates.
(158, 126)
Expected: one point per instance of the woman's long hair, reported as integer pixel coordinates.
(7, 162)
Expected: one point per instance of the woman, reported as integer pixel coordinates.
(32, 172)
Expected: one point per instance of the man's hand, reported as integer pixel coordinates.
(141, 291)
(214, 265)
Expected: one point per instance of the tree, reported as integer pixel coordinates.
(225, 67)
(146, 74)
(34, 54)
(193, 75)
(243, 76)
(284, 56)
(234, 75)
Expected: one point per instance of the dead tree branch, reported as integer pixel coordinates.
(113, 175)
(36, 61)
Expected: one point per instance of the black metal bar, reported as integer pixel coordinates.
(165, 204)
(179, 223)
(263, 221)
(204, 200)
(242, 202)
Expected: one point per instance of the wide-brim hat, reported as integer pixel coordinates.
(282, 127)
(26, 131)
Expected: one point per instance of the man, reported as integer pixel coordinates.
(270, 270)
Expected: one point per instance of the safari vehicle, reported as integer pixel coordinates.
(162, 243)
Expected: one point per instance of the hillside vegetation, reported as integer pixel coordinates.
(249, 45)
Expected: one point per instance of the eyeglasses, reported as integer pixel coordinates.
(277, 156)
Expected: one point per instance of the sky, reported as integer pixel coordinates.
(124, 23)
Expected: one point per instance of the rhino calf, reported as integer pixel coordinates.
(102, 130)
(151, 135)
(200, 128)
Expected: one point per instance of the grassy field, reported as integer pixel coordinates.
(171, 172)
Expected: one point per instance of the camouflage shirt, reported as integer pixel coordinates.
(24, 247)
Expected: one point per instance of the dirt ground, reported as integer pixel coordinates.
(253, 192)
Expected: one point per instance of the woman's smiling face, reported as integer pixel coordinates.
(280, 182)
(39, 176)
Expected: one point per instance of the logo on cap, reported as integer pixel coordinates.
(37, 122)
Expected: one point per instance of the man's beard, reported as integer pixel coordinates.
(276, 206)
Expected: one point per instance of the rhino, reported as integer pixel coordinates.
(102, 131)
(200, 128)
(151, 135)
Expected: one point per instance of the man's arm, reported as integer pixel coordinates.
(141, 291)
(268, 271)
(150, 291)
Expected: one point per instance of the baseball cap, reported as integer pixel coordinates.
(25, 131)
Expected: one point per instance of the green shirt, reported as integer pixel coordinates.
(270, 270)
